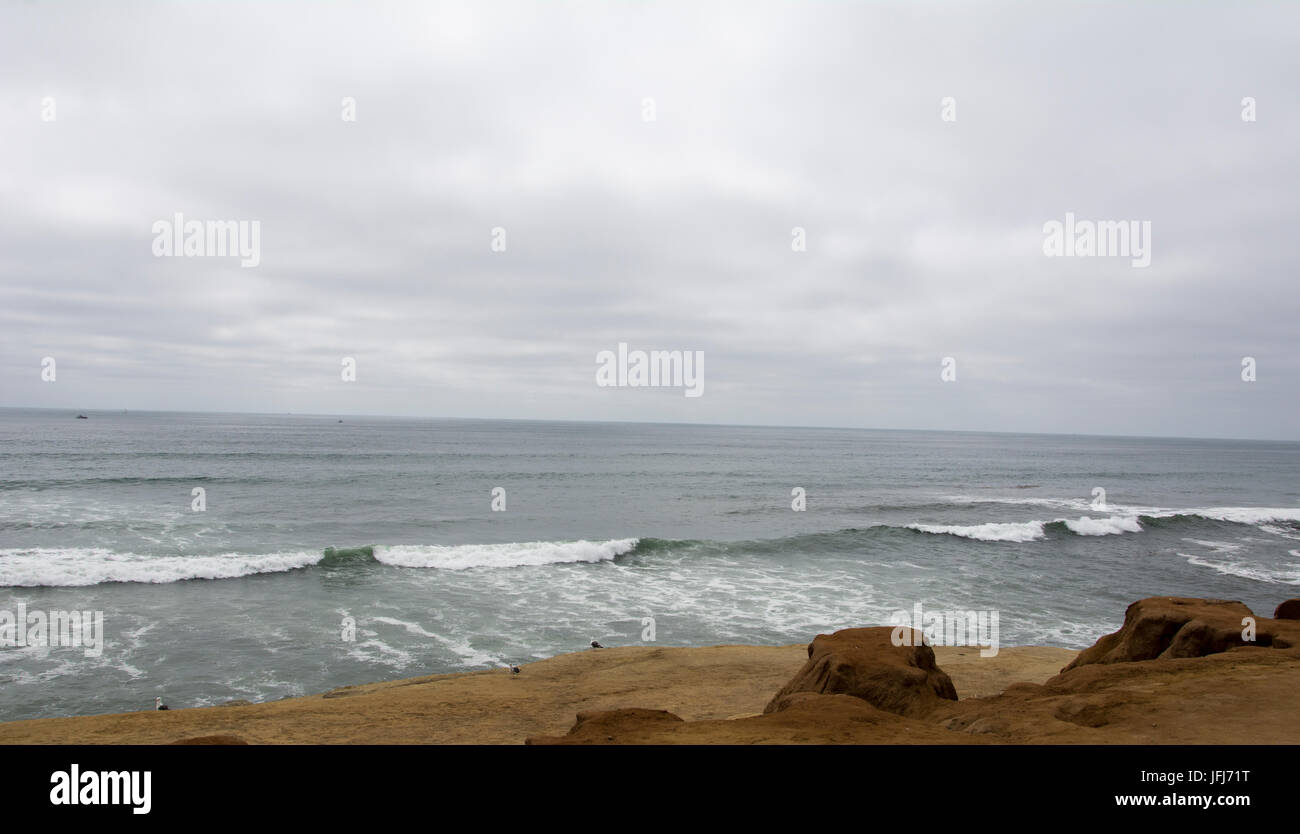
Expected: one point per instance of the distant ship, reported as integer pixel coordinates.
(82, 417)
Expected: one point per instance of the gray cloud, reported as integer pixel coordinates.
(924, 237)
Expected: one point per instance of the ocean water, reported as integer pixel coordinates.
(312, 524)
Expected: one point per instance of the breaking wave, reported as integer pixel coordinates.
(993, 531)
(512, 555)
(71, 567)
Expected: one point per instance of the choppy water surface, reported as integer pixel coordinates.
(311, 523)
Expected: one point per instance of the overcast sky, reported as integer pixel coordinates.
(924, 236)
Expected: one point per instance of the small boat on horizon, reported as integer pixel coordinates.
(82, 417)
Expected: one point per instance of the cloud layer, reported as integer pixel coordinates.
(924, 236)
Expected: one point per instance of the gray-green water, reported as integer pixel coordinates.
(605, 525)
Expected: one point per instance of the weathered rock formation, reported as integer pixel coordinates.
(1288, 610)
(865, 663)
(1179, 671)
(212, 740)
(1172, 627)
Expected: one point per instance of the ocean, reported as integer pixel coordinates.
(329, 551)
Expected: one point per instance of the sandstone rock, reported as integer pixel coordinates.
(1173, 627)
(865, 663)
(781, 701)
(813, 719)
(1289, 610)
(606, 726)
(988, 726)
(344, 692)
(212, 740)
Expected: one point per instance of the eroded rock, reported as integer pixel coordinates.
(1174, 627)
(865, 663)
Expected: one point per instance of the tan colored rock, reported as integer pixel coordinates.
(1173, 627)
(865, 663)
(212, 740)
(607, 726)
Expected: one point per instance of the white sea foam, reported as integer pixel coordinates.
(65, 567)
(1028, 531)
(1062, 503)
(994, 531)
(1125, 520)
(1272, 520)
(510, 555)
(72, 567)
(1086, 526)
(1238, 515)
(1285, 575)
(376, 651)
(1242, 515)
(469, 656)
(1217, 547)
(411, 628)
(1025, 531)
(1278, 530)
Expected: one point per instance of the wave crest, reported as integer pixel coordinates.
(510, 555)
(1085, 526)
(993, 531)
(76, 567)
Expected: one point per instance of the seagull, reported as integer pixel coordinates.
(514, 670)
(596, 645)
(158, 704)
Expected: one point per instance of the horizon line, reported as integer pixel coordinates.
(647, 423)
